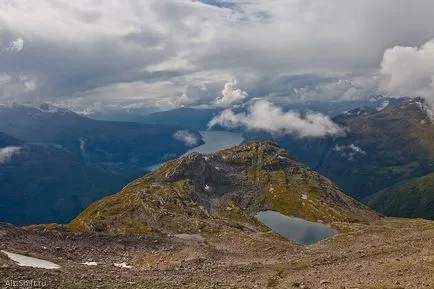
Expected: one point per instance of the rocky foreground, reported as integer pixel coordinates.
(190, 224)
(389, 253)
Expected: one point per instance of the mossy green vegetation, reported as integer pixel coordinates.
(411, 198)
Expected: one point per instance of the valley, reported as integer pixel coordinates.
(379, 150)
(57, 162)
(217, 144)
(194, 217)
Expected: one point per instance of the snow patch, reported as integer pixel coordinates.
(90, 263)
(122, 265)
(26, 261)
(383, 105)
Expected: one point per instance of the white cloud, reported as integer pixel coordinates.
(349, 151)
(231, 95)
(28, 83)
(7, 153)
(16, 45)
(186, 137)
(265, 116)
(427, 109)
(409, 71)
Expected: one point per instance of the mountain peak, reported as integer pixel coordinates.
(230, 185)
(258, 154)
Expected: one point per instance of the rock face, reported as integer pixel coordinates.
(201, 193)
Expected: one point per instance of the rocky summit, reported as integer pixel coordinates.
(191, 224)
(200, 193)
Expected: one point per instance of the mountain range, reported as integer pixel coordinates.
(191, 224)
(379, 149)
(198, 118)
(59, 162)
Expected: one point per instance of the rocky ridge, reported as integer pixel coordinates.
(199, 193)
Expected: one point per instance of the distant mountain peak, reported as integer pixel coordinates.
(41, 107)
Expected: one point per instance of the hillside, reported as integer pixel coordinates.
(200, 193)
(411, 198)
(54, 163)
(46, 183)
(113, 146)
(6, 140)
(379, 149)
(190, 225)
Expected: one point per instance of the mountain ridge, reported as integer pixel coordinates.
(380, 148)
(190, 225)
(41, 144)
(230, 185)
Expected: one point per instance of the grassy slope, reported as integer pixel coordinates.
(411, 198)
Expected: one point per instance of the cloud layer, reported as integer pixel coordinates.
(94, 55)
(265, 116)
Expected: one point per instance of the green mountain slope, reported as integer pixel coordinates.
(412, 198)
(65, 161)
(379, 149)
(113, 146)
(45, 184)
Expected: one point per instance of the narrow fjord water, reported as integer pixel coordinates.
(214, 142)
(295, 229)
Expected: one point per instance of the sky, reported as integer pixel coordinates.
(94, 55)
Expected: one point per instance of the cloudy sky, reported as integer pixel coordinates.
(93, 55)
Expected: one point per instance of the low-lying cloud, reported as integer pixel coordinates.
(265, 116)
(7, 153)
(349, 151)
(186, 137)
(231, 95)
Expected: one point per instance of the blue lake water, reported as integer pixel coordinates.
(295, 229)
(214, 141)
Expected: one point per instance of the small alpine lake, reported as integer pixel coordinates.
(295, 229)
